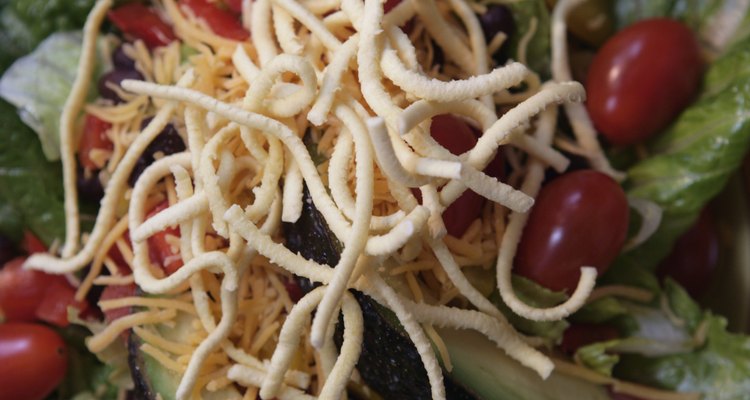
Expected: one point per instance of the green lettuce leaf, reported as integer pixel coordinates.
(87, 377)
(539, 47)
(40, 95)
(536, 296)
(32, 193)
(25, 23)
(719, 368)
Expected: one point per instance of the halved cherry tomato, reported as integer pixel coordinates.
(579, 335)
(579, 219)
(642, 78)
(33, 361)
(222, 22)
(21, 290)
(141, 22)
(113, 292)
(160, 250)
(694, 256)
(94, 137)
(53, 308)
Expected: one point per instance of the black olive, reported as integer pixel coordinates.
(121, 60)
(167, 142)
(498, 18)
(7, 250)
(89, 186)
(115, 77)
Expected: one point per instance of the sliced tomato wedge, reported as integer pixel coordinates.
(141, 22)
(222, 22)
(113, 292)
(234, 5)
(53, 308)
(161, 251)
(94, 138)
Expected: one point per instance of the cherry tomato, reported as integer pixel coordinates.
(33, 361)
(94, 138)
(53, 308)
(642, 78)
(113, 292)
(458, 137)
(141, 22)
(160, 250)
(221, 22)
(579, 335)
(579, 219)
(21, 290)
(694, 256)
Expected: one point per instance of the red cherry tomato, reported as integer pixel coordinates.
(94, 137)
(694, 256)
(642, 78)
(33, 361)
(53, 308)
(141, 22)
(579, 335)
(221, 22)
(160, 249)
(21, 290)
(113, 292)
(579, 219)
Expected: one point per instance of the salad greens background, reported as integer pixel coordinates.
(689, 165)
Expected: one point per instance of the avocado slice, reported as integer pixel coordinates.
(154, 381)
(389, 362)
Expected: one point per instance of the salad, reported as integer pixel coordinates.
(375, 199)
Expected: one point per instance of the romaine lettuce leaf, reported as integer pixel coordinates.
(536, 296)
(539, 47)
(719, 368)
(32, 194)
(39, 83)
(25, 23)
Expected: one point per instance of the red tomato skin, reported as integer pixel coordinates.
(113, 292)
(579, 335)
(141, 22)
(234, 5)
(94, 137)
(642, 78)
(21, 290)
(33, 361)
(222, 22)
(159, 249)
(579, 219)
(694, 257)
(53, 308)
